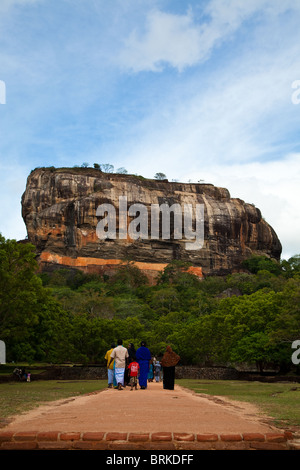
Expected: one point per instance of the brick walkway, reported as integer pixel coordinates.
(155, 419)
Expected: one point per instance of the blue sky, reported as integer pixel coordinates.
(198, 90)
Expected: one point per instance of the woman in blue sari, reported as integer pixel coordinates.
(143, 357)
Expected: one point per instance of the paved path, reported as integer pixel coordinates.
(150, 410)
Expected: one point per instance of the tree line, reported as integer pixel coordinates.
(109, 168)
(250, 317)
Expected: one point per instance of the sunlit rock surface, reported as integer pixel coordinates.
(59, 208)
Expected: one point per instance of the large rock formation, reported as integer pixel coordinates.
(59, 208)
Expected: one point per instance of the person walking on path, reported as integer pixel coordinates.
(143, 357)
(133, 368)
(151, 372)
(169, 360)
(119, 354)
(110, 366)
(157, 369)
(132, 352)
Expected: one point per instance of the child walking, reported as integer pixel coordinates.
(133, 374)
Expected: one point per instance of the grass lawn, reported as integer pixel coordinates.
(280, 401)
(17, 397)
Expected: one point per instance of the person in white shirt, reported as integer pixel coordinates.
(119, 355)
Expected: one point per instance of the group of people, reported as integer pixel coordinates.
(22, 374)
(127, 366)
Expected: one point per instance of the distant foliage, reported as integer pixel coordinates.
(107, 167)
(160, 176)
(122, 171)
(67, 315)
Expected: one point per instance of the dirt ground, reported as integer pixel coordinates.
(150, 410)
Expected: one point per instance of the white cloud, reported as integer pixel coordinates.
(180, 41)
(13, 182)
(169, 38)
(272, 186)
(238, 117)
(69, 101)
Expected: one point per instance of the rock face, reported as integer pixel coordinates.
(60, 208)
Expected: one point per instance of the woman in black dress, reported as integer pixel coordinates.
(169, 361)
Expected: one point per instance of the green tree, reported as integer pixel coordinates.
(122, 171)
(20, 290)
(258, 263)
(160, 176)
(291, 267)
(50, 337)
(254, 348)
(107, 167)
(164, 300)
(286, 326)
(131, 306)
(32, 323)
(127, 279)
